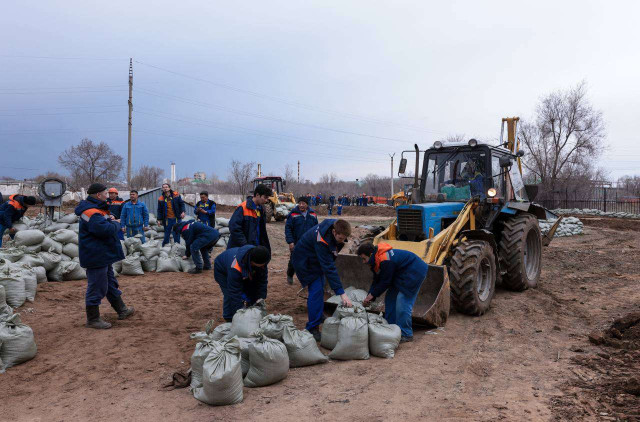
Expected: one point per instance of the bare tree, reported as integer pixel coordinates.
(566, 138)
(147, 177)
(374, 184)
(242, 175)
(90, 162)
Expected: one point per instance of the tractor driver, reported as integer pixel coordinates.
(473, 174)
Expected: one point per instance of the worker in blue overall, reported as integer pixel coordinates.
(206, 210)
(199, 240)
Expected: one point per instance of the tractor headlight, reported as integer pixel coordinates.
(473, 142)
(492, 192)
(437, 144)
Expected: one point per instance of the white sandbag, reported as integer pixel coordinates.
(71, 250)
(223, 222)
(221, 375)
(41, 274)
(247, 321)
(12, 254)
(268, 362)
(197, 359)
(13, 281)
(32, 249)
(50, 245)
(221, 331)
(153, 221)
(20, 227)
(133, 244)
(186, 265)
(224, 230)
(384, 338)
(302, 348)
(355, 295)
(50, 260)
(3, 296)
(64, 236)
(32, 260)
(178, 249)
(69, 219)
(64, 258)
(28, 237)
(17, 344)
(355, 310)
(353, 339)
(56, 273)
(117, 266)
(329, 334)
(30, 283)
(167, 265)
(273, 325)
(149, 265)
(124, 248)
(150, 249)
(72, 270)
(151, 234)
(56, 226)
(131, 266)
(74, 227)
(221, 243)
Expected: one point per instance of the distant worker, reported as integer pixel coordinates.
(134, 217)
(340, 204)
(299, 221)
(13, 210)
(332, 202)
(242, 276)
(314, 261)
(206, 210)
(199, 240)
(115, 206)
(365, 200)
(170, 212)
(399, 273)
(248, 225)
(99, 248)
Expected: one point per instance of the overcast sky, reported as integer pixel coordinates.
(338, 85)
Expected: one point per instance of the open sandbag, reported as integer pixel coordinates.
(41, 274)
(71, 250)
(302, 348)
(329, 334)
(167, 265)
(28, 237)
(150, 249)
(273, 325)
(32, 260)
(355, 310)
(56, 226)
(13, 281)
(149, 265)
(197, 359)
(50, 260)
(12, 254)
(356, 295)
(64, 236)
(247, 321)
(221, 375)
(384, 338)
(50, 245)
(131, 266)
(17, 344)
(268, 362)
(353, 339)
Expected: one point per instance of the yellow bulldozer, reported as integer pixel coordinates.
(279, 197)
(472, 219)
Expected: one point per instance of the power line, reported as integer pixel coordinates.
(293, 103)
(61, 92)
(12, 56)
(60, 108)
(61, 87)
(47, 131)
(261, 116)
(60, 114)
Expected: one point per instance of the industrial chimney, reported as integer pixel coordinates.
(173, 172)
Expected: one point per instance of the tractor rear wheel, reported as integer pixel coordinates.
(472, 274)
(520, 252)
(268, 211)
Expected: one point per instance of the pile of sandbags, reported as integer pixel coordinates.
(569, 226)
(254, 350)
(17, 344)
(222, 225)
(283, 209)
(598, 213)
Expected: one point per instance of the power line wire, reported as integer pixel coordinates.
(368, 119)
(60, 114)
(13, 56)
(61, 108)
(61, 92)
(61, 88)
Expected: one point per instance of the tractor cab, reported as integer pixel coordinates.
(275, 183)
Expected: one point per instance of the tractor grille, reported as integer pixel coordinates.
(409, 223)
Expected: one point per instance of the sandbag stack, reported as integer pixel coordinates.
(17, 344)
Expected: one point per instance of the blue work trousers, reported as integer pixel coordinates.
(398, 308)
(339, 209)
(330, 209)
(229, 306)
(101, 282)
(167, 231)
(200, 253)
(134, 230)
(315, 303)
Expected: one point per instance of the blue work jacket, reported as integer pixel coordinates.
(98, 244)
(176, 203)
(248, 226)
(297, 224)
(134, 215)
(209, 216)
(395, 267)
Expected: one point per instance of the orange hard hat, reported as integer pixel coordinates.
(113, 190)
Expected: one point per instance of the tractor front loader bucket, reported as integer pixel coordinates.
(547, 238)
(433, 302)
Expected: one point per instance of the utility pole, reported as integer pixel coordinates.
(392, 155)
(130, 111)
(298, 171)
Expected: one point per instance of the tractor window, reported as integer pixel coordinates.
(458, 175)
(496, 172)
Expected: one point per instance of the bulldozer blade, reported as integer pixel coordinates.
(547, 238)
(432, 304)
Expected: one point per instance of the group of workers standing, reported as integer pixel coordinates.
(241, 271)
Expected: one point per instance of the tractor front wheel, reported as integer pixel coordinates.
(520, 252)
(268, 211)
(472, 275)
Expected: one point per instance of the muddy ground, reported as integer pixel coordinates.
(529, 358)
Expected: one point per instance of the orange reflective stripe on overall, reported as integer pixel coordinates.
(86, 216)
(15, 204)
(382, 255)
(248, 212)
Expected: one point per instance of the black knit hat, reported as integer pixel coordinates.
(303, 199)
(96, 188)
(260, 255)
(29, 200)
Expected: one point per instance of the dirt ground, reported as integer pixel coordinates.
(529, 358)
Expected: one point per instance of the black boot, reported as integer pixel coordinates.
(121, 308)
(195, 271)
(94, 320)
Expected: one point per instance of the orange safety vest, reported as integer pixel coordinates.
(382, 255)
(248, 212)
(15, 204)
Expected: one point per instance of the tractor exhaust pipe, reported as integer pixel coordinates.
(416, 188)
